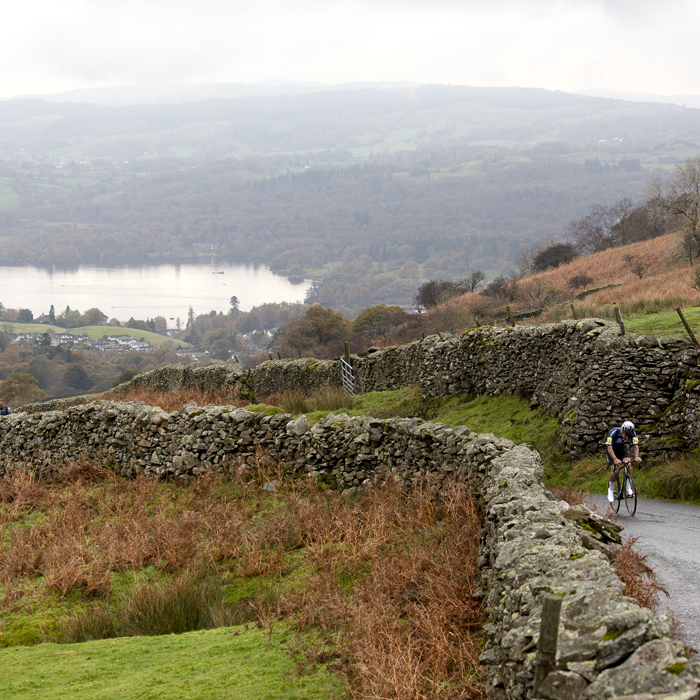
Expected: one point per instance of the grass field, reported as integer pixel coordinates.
(234, 662)
(675, 478)
(155, 339)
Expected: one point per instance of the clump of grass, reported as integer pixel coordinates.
(96, 622)
(679, 477)
(330, 398)
(183, 604)
(294, 401)
(640, 579)
(188, 602)
(326, 398)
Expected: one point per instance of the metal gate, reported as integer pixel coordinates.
(347, 376)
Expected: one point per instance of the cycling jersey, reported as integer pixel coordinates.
(619, 441)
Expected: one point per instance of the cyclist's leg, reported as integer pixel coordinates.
(612, 478)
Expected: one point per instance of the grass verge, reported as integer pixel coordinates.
(673, 479)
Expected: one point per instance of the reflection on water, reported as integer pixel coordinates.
(146, 292)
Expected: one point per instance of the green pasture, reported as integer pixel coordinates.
(230, 662)
(94, 332)
(665, 323)
(676, 478)
(155, 339)
(504, 416)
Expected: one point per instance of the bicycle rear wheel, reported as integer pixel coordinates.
(615, 505)
(630, 501)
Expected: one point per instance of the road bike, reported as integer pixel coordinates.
(628, 494)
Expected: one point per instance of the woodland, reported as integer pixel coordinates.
(369, 192)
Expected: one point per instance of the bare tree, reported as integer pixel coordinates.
(640, 269)
(680, 196)
(473, 280)
(594, 232)
(578, 281)
(640, 224)
(502, 290)
(435, 292)
(553, 256)
(695, 279)
(537, 294)
(689, 245)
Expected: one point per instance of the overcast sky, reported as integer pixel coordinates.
(50, 46)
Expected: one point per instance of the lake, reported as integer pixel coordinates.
(146, 291)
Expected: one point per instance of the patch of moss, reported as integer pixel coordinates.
(611, 635)
(691, 384)
(264, 408)
(676, 669)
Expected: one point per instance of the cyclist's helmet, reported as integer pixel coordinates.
(628, 427)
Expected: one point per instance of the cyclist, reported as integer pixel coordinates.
(616, 449)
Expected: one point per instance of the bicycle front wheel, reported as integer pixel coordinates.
(630, 495)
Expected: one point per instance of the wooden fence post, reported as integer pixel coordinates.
(687, 327)
(618, 318)
(279, 357)
(573, 313)
(545, 659)
(511, 318)
(346, 347)
(440, 334)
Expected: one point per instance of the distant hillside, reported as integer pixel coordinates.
(661, 282)
(401, 184)
(665, 276)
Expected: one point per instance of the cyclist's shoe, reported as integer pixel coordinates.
(611, 495)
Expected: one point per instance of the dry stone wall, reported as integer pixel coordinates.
(582, 372)
(531, 545)
(609, 647)
(135, 439)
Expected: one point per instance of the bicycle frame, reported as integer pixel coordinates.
(625, 489)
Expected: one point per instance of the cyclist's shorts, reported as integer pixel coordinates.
(621, 452)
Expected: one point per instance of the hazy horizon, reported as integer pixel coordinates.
(571, 45)
(122, 95)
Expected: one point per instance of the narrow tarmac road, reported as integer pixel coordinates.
(670, 534)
